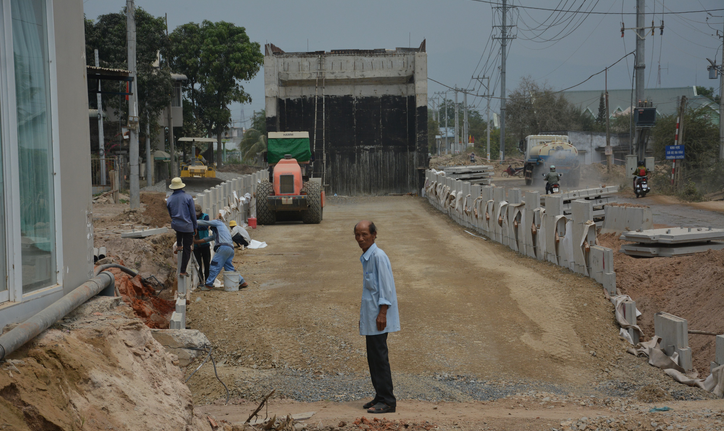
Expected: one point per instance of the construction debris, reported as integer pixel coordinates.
(668, 242)
(478, 174)
(144, 233)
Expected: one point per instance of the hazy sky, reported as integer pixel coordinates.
(458, 34)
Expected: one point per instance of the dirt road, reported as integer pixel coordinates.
(478, 321)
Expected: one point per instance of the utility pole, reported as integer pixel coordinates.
(640, 75)
(721, 103)
(487, 109)
(457, 123)
(609, 150)
(101, 140)
(504, 36)
(446, 129)
(133, 105)
(466, 131)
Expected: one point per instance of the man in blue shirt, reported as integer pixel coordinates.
(223, 250)
(183, 220)
(378, 315)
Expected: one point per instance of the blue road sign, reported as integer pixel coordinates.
(674, 152)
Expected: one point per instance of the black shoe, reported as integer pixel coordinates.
(369, 404)
(381, 408)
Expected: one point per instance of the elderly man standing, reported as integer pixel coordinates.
(223, 250)
(183, 220)
(378, 315)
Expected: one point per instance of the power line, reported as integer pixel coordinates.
(599, 13)
(597, 73)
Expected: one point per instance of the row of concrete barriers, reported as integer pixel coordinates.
(236, 199)
(545, 234)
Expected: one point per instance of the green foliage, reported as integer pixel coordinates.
(108, 35)
(258, 121)
(534, 109)
(702, 170)
(601, 118)
(216, 58)
(708, 92)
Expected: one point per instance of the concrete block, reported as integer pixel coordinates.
(674, 333)
(532, 203)
(181, 306)
(182, 282)
(176, 321)
(144, 233)
(516, 214)
(554, 205)
(186, 344)
(565, 247)
(496, 218)
(629, 313)
(719, 357)
(620, 218)
(584, 234)
(596, 260)
(514, 196)
(608, 280)
(554, 231)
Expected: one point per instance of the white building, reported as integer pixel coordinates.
(46, 234)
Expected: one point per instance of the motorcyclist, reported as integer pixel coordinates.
(551, 177)
(472, 157)
(640, 172)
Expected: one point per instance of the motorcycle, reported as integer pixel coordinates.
(512, 172)
(642, 187)
(555, 187)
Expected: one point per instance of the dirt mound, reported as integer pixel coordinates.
(142, 298)
(240, 169)
(652, 394)
(95, 371)
(691, 287)
(155, 212)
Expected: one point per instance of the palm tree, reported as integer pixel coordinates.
(253, 143)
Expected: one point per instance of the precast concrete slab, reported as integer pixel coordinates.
(674, 235)
(176, 321)
(144, 233)
(629, 313)
(669, 250)
(674, 333)
(719, 356)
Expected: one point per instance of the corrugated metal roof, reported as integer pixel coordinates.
(107, 71)
(664, 99)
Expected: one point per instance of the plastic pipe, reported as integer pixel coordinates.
(29, 329)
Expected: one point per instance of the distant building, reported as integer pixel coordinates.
(365, 111)
(665, 100)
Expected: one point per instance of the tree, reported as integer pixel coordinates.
(708, 92)
(215, 57)
(533, 109)
(601, 118)
(701, 167)
(255, 138)
(108, 35)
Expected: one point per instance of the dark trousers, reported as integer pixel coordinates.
(380, 373)
(187, 240)
(239, 240)
(203, 257)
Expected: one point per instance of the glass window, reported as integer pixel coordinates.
(176, 100)
(3, 243)
(35, 157)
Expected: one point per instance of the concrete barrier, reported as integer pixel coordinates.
(524, 226)
(622, 218)
(674, 334)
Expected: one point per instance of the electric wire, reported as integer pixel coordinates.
(495, 3)
(595, 74)
(202, 364)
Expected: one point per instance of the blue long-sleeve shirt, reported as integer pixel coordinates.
(182, 210)
(378, 288)
(203, 231)
(220, 233)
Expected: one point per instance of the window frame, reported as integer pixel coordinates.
(10, 158)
